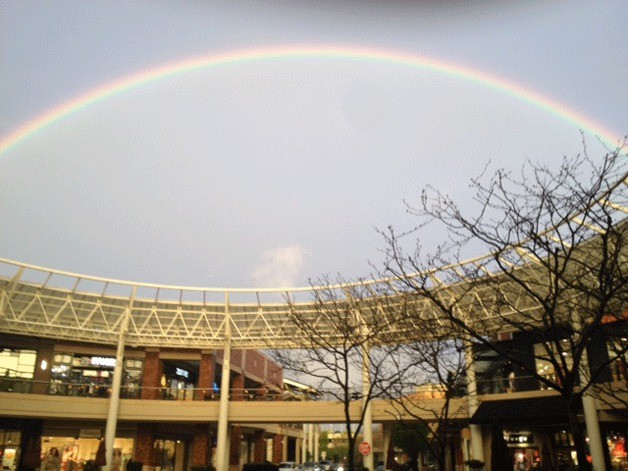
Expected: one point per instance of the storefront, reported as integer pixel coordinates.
(91, 376)
(17, 368)
(616, 441)
(524, 449)
(10, 448)
(178, 380)
(77, 452)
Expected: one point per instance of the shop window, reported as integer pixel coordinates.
(178, 380)
(79, 452)
(17, 368)
(10, 441)
(617, 450)
(544, 367)
(617, 354)
(81, 375)
(60, 373)
(132, 380)
(15, 363)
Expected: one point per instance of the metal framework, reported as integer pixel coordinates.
(44, 302)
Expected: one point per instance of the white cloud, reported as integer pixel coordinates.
(279, 267)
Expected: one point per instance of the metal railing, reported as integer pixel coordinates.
(14, 384)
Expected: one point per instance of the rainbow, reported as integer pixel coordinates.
(174, 69)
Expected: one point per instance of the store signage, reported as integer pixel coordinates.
(89, 433)
(103, 361)
(520, 438)
(181, 372)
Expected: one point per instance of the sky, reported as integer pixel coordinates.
(276, 172)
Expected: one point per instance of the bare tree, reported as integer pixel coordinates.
(342, 345)
(431, 387)
(556, 269)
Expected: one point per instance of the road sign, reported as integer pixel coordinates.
(365, 448)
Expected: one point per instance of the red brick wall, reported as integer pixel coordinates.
(236, 443)
(274, 373)
(236, 359)
(153, 370)
(237, 388)
(144, 444)
(206, 375)
(255, 363)
(260, 447)
(277, 448)
(201, 454)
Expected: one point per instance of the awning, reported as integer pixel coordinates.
(533, 411)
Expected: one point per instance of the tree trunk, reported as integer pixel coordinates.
(578, 436)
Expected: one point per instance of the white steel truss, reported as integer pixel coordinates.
(50, 303)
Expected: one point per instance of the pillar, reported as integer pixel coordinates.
(477, 445)
(317, 433)
(41, 377)
(237, 388)
(367, 461)
(206, 376)
(260, 447)
(236, 445)
(591, 417)
(389, 458)
(30, 458)
(278, 448)
(222, 449)
(144, 444)
(201, 449)
(151, 379)
(304, 446)
(114, 397)
(310, 442)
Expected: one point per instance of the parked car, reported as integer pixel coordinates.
(288, 466)
(310, 466)
(325, 465)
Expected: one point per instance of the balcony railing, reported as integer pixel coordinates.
(73, 389)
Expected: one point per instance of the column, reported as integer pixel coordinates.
(317, 433)
(310, 442)
(477, 446)
(41, 377)
(222, 450)
(260, 447)
(237, 387)
(591, 417)
(235, 445)
(277, 448)
(201, 454)
(144, 444)
(388, 449)
(114, 398)
(206, 376)
(368, 461)
(151, 379)
(304, 447)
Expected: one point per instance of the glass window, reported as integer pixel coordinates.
(132, 380)
(16, 363)
(547, 356)
(617, 355)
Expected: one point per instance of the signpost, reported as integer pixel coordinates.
(365, 448)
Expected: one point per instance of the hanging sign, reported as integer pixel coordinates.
(365, 448)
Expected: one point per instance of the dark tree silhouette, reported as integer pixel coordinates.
(556, 269)
(343, 334)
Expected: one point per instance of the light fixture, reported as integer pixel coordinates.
(44, 365)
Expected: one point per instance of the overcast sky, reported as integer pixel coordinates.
(270, 173)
